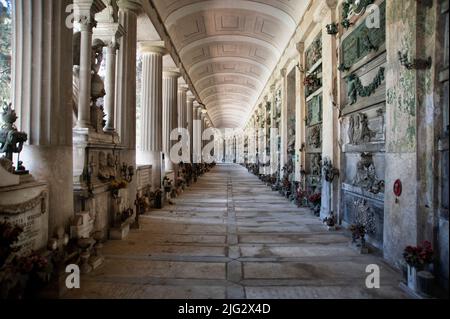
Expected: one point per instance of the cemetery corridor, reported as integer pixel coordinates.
(230, 236)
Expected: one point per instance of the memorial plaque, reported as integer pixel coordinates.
(26, 206)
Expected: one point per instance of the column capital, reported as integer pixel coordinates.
(300, 46)
(171, 73)
(109, 33)
(183, 88)
(152, 47)
(324, 8)
(196, 104)
(85, 11)
(134, 6)
(190, 96)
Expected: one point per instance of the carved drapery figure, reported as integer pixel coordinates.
(351, 129)
(315, 140)
(352, 89)
(316, 167)
(366, 176)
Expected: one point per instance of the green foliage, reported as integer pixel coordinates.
(5, 49)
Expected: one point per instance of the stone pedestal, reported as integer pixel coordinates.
(98, 165)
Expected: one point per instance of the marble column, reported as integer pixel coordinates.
(196, 134)
(84, 11)
(150, 145)
(126, 73)
(125, 109)
(325, 15)
(189, 116)
(301, 113)
(182, 110)
(170, 112)
(42, 97)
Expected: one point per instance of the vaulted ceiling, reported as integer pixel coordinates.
(230, 48)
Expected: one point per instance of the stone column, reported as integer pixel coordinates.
(170, 111)
(125, 111)
(284, 120)
(189, 117)
(324, 15)
(110, 33)
(182, 111)
(301, 114)
(196, 135)
(126, 74)
(150, 146)
(84, 11)
(42, 97)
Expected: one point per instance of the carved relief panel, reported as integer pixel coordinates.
(363, 132)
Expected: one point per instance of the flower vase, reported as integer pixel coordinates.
(412, 277)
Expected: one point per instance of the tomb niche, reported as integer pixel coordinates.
(101, 175)
(363, 105)
(314, 103)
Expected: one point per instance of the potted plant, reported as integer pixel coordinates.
(417, 258)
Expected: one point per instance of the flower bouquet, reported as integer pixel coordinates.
(116, 185)
(417, 258)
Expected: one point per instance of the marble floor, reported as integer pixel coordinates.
(229, 236)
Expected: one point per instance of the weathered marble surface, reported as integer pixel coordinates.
(228, 236)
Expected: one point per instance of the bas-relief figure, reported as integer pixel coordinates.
(316, 167)
(107, 168)
(291, 141)
(315, 140)
(366, 176)
(358, 129)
